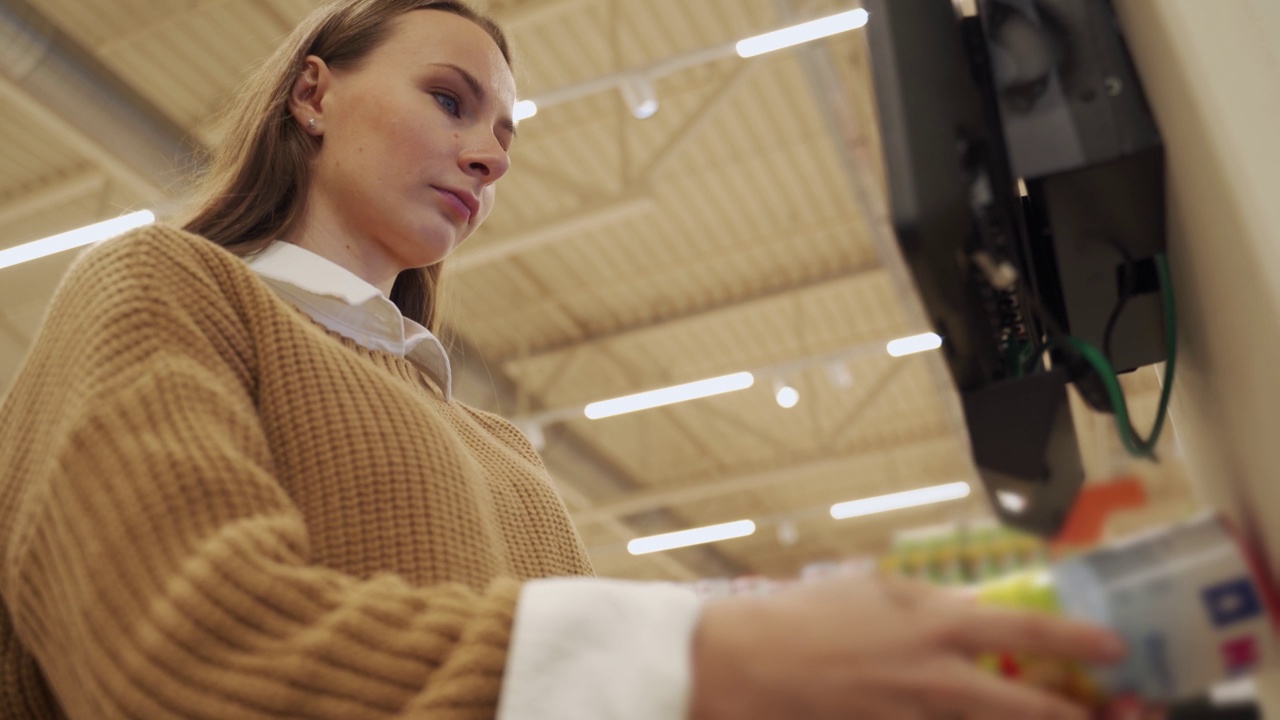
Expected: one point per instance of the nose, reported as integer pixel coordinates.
(485, 159)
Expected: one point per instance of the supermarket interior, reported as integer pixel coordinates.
(978, 293)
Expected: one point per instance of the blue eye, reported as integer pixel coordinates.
(449, 103)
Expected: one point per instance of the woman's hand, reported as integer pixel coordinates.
(877, 648)
(1131, 708)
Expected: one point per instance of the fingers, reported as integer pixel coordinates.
(961, 689)
(908, 592)
(1130, 708)
(978, 629)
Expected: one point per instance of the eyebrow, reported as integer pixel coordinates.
(477, 89)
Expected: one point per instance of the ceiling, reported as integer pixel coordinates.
(742, 227)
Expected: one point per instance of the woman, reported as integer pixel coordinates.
(234, 482)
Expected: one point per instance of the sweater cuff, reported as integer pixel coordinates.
(468, 683)
(591, 649)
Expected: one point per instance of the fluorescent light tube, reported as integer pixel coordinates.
(696, 536)
(900, 500)
(75, 238)
(524, 110)
(914, 344)
(804, 32)
(669, 395)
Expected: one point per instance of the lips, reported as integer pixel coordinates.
(463, 203)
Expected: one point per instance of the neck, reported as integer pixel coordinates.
(323, 233)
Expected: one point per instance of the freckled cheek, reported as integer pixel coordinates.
(388, 124)
(412, 138)
(400, 148)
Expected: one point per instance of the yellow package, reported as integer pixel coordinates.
(1035, 591)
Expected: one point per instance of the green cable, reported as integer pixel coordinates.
(1169, 304)
(1137, 446)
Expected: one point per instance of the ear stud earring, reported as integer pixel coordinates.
(311, 123)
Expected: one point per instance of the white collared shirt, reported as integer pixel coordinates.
(348, 305)
(581, 648)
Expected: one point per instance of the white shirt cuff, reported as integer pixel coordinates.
(593, 649)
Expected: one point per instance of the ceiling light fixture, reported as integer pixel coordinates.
(802, 33)
(696, 536)
(636, 84)
(75, 238)
(914, 344)
(786, 396)
(900, 500)
(669, 395)
(641, 96)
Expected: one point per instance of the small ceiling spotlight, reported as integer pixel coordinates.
(786, 395)
(641, 96)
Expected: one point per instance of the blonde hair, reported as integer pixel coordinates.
(256, 180)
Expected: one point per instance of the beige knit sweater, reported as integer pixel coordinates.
(212, 507)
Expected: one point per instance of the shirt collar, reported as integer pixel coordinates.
(346, 304)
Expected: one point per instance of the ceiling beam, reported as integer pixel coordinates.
(44, 73)
(646, 501)
(653, 71)
(593, 216)
(841, 427)
(686, 133)
(171, 14)
(599, 213)
(52, 195)
(534, 12)
(531, 12)
(78, 141)
(829, 276)
(548, 177)
(649, 500)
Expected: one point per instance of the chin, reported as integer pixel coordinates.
(430, 247)
(419, 262)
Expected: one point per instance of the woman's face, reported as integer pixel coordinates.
(413, 141)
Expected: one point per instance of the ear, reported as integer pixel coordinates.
(306, 98)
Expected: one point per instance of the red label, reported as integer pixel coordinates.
(1240, 654)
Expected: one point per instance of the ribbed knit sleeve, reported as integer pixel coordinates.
(153, 565)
